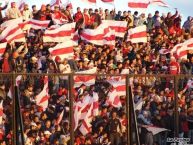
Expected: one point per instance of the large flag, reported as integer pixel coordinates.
(60, 34)
(120, 27)
(137, 34)
(138, 5)
(2, 48)
(159, 3)
(64, 50)
(12, 33)
(87, 80)
(43, 96)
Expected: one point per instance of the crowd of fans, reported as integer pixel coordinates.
(110, 126)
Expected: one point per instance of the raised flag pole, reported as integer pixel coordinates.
(17, 117)
(133, 114)
(71, 98)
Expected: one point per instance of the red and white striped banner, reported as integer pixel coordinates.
(159, 3)
(100, 36)
(12, 22)
(12, 34)
(120, 27)
(2, 48)
(36, 24)
(64, 50)
(43, 96)
(114, 99)
(138, 34)
(1, 112)
(60, 34)
(55, 2)
(59, 119)
(119, 86)
(182, 51)
(87, 80)
(89, 1)
(138, 4)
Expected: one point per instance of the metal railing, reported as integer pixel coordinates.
(129, 101)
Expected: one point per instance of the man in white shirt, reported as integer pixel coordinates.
(26, 13)
(13, 12)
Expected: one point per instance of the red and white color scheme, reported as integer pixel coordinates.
(174, 66)
(108, 1)
(18, 80)
(189, 84)
(119, 86)
(43, 96)
(120, 27)
(138, 34)
(159, 3)
(21, 4)
(138, 5)
(89, 1)
(183, 50)
(12, 33)
(59, 118)
(55, 2)
(60, 34)
(1, 112)
(85, 128)
(64, 50)
(164, 51)
(12, 22)
(95, 109)
(36, 24)
(87, 80)
(2, 48)
(114, 99)
(99, 36)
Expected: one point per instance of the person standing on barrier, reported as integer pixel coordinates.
(115, 129)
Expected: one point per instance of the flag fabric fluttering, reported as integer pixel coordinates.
(64, 50)
(2, 48)
(85, 79)
(160, 3)
(59, 119)
(60, 34)
(138, 34)
(138, 4)
(43, 97)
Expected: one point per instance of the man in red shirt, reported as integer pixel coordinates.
(58, 15)
(174, 67)
(78, 18)
(86, 18)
